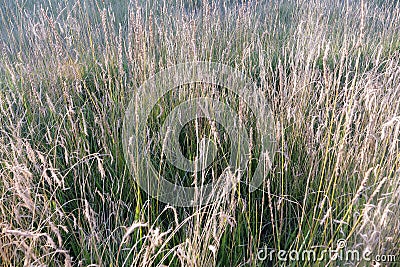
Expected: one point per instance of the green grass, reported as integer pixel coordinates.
(330, 72)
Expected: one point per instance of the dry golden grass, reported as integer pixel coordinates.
(330, 71)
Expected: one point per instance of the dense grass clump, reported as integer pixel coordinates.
(68, 69)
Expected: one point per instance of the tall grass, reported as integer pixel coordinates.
(330, 71)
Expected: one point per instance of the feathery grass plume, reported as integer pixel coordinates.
(329, 70)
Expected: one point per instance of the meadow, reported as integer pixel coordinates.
(329, 70)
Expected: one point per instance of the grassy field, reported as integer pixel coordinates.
(330, 71)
